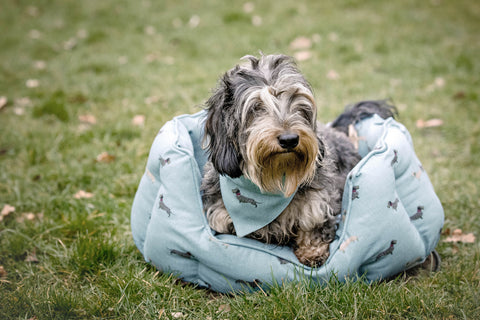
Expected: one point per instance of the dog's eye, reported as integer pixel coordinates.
(305, 111)
(257, 108)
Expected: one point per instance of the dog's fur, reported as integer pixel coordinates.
(261, 123)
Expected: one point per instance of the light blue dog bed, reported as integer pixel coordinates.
(391, 217)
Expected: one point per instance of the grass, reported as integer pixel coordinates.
(113, 60)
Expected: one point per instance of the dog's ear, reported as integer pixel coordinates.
(221, 130)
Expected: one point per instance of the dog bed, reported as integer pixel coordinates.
(391, 218)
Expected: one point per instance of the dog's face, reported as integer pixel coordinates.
(261, 123)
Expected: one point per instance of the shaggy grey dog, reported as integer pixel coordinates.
(261, 125)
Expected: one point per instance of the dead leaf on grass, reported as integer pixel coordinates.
(429, 123)
(32, 257)
(3, 273)
(457, 235)
(40, 65)
(3, 102)
(177, 315)
(6, 210)
(32, 83)
(248, 7)
(194, 21)
(303, 55)
(224, 308)
(30, 216)
(82, 194)
(19, 111)
(87, 118)
(257, 21)
(105, 157)
(138, 120)
(152, 100)
(301, 43)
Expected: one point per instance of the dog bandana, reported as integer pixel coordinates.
(249, 207)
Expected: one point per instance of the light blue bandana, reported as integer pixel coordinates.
(250, 208)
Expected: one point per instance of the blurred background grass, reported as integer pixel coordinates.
(74, 74)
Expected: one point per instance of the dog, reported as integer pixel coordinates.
(261, 125)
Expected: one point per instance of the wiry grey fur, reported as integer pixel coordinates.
(252, 107)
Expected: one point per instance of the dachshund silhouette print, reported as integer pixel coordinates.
(418, 214)
(393, 204)
(388, 251)
(164, 162)
(163, 206)
(242, 199)
(355, 192)
(395, 157)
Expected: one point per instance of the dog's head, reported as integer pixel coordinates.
(261, 123)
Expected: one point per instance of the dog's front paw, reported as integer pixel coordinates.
(313, 256)
(219, 219)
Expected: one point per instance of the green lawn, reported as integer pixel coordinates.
(76, 77)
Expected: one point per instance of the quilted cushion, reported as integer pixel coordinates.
(391, 217)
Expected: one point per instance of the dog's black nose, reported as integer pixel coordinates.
(288, 140)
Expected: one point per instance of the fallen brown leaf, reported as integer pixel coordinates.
(82, 194)
(301, 43)
(152, 100)
(429, 123)
(194, 21)
(177, 315)
(32, 83)
(87, 118)
(138, 120)
(3, 102)
(224, 308)
(105, 157)
(26, 216)
(257, 21)
(248, 7)
(19, 111)
(30, 216)
(6, 210)
(3, 272)
(32, 257)
(40, 65)
(458, 236)
(303, 55)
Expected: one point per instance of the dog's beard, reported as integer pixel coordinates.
(274, 169)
